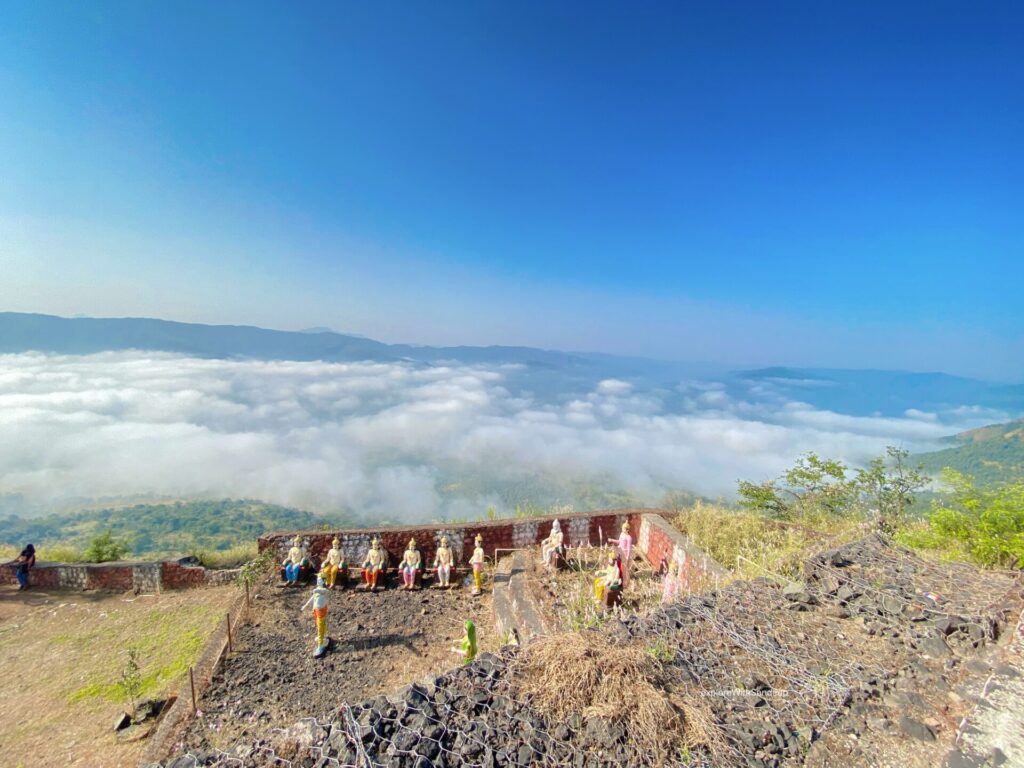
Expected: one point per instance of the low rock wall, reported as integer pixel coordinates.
(119, 576)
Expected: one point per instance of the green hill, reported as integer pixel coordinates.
(165, 529)
(993, 455)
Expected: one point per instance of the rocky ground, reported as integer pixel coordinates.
(875, 658)
(380, 641)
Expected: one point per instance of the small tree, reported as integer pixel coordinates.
(103, 548)
(887, 486)
(131, 678)
(254, 570)
(811, 488)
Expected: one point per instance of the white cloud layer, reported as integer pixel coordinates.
(384, 439)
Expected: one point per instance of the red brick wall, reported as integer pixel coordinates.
(659, 539)
(40, 577)
(176, 576)
(112, 578)
(497, 534)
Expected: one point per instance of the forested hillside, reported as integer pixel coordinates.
(993, 455)
(175, 529)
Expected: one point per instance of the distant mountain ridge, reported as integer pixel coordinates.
(22, 332)
(547, 374)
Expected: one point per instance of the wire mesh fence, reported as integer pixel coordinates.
(757, 672)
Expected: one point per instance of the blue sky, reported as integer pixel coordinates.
(802, 184)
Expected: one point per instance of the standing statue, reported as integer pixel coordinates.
(671, 586)
(443, 563)
(467, 646)
(410, 565)
(319, 602)
(373, 565)
(553, 548)
(608, 583)
(334, 564)
(477, 562)
(625, 545)
(295, 562)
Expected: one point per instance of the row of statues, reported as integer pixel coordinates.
(297, 565)
(609, 581)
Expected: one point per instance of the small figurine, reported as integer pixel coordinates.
(467, 646)
(608, 584)
(372, 566)
(334, 564)
(625, 545)
(477, 562)
(319, 602)
(294, 562)
(410, 565)
(443, 563)
(552, 548)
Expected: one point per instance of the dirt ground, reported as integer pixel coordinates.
(62, 652)
(382, 641)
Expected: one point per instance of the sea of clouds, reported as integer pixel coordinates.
(380, 438)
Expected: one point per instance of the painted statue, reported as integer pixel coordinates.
(608, 579)
(318, 601)
(625, 545)
(334, 564)
(467, 646)
(410, 565)
(553, 546)
(373, 564)
(294, 562)
(443, 560)
(477, 563)
(671, 586)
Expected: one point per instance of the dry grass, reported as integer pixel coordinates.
(752, 546)
(592, 675)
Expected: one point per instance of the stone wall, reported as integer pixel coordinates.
(659, 541)
(579, 528)
(119, 576)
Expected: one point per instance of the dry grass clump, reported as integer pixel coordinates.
(752, 546)
(592, 675)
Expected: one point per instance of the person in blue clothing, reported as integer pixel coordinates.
(25, 561)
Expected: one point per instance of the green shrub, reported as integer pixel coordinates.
(103, 548)
(984, 526)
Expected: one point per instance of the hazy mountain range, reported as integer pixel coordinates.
(546, 372)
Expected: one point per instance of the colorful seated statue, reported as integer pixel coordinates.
(295, 562)
(334, 564)
(552, 549)
(319, 602)
(625, 545)
(477, 562)
(467, 646)
(410, 565)
(373, 565)
(608, 584)
(443, 560)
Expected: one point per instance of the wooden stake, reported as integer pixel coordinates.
(228, 620)
(192, 682)
(248, 607)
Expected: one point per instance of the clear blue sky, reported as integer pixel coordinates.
(742, 182)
